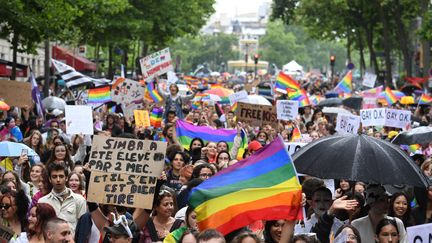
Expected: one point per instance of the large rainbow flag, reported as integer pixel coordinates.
(284, 82)
(99, 95)
(345, 85)
(186, 132)
(262, 187)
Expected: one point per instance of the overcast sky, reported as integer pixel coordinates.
(240, 6)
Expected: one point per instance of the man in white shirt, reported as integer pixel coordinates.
(377, 199)
(67, 204)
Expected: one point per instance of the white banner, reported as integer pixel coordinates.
(347, 124)
(241, 95)
(369, 80)
(287, 109)
(156, 64)
(385, 117)
(292, 147)
(79, 119)
(420, 233)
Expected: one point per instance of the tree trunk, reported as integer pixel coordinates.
(404, 39)
(47, 67)
(361, 50)
(386, 44)
(369, 41)
(110, 60)
(96, 55)
(125, 61)
(14, 56)
(348, 46)
(425, 43)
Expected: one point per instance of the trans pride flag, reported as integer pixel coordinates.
(262, 187)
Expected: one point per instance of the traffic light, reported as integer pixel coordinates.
(256, 58)
(332, 60)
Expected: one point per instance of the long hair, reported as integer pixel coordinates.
(80, 179)
(67, 160)
(44, 212)
(39, 149)
(22, 203)
(407, 216)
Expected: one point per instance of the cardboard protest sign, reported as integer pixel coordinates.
(16, 93)
(241, 95)
(156, 64)
(256, 115)
(385, 117)
(79, 119)
(369, 80)
(287, 109)
(125, 171)
(347, 124)
(129, 94)
(142, 118)
(420, 233)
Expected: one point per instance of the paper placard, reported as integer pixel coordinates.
(420, 233)
(385, 117)
(142, 118)
(129, 94)
(287, 109)
(125, 171)
(369, 102)
(347, 124)
(156, 64)
(16, 93)
(256, 115)
(79, 119)
(241, 95)
(369, 80)
(293, 147)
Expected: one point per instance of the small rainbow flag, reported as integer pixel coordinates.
(374, 92)
(301, 96)
(345, 85)
(195, 105)
(234, 108)
(216, 86)
(284, 82)
(191, 81)
(390, 96)
(296, 134)
(99, 95)
(315, 99)
(262, 187)
(152, 93)
(425, 99)
(156, 117)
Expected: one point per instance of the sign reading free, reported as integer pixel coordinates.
(385, 117)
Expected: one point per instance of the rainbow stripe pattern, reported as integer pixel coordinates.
(262, 187)
(99, 95)
(345, 85)
(156, 117)
(186, 132)
(301, 96)
(296, 134)
(284, 82)
(390, 96)
(152, 93)
(425, 99)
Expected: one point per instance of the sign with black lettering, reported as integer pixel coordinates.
(287, 109)
(347, 124)
(385, 117)
(420, 233)
(256, 115)
(125, 171)
(293, 147)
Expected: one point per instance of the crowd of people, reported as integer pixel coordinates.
(43, 197)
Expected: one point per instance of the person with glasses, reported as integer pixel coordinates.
(387, 231)
(203, 171)
(162, 221)
(14, 206)
(349, 233)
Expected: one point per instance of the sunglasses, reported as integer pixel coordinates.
(205, 175)
(5, 206)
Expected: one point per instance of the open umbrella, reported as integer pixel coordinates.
(11, 149)
(53, 102)
(330, 102)
(359, 158)
(354, 102)
(418, 135)
(256, 100)
(335, 110)
(4, 106)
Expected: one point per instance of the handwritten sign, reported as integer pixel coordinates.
(347, 124)
(369, 80)
(287, 109)
(156, 64)
(125, 171)
(241, 95)
(385, 117)
(142, 118)
(16, 93)
(79, 119)
(420, 233)
(256, 115)
(129, 94)
(293, 147)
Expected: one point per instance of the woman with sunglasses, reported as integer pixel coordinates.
(14, 206)
(162, 221)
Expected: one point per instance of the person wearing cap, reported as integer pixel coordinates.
(122, 231)
(377, 200)
(253, 147)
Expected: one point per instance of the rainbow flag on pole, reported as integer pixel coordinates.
(390, 96)
(262, 187)
(186, 132)
(156, 117)
(345, 85)
(152, 93)
(301, 96)
(284, 82)
(425, 99)
(99, 95)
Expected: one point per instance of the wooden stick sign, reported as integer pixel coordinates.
(125, 171)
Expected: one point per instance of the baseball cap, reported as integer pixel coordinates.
(254, 146)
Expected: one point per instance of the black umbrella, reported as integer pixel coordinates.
(354, 102)
(419, 135)
(359, 158)
(331, 102)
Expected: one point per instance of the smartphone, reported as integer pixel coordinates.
(24, 152)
